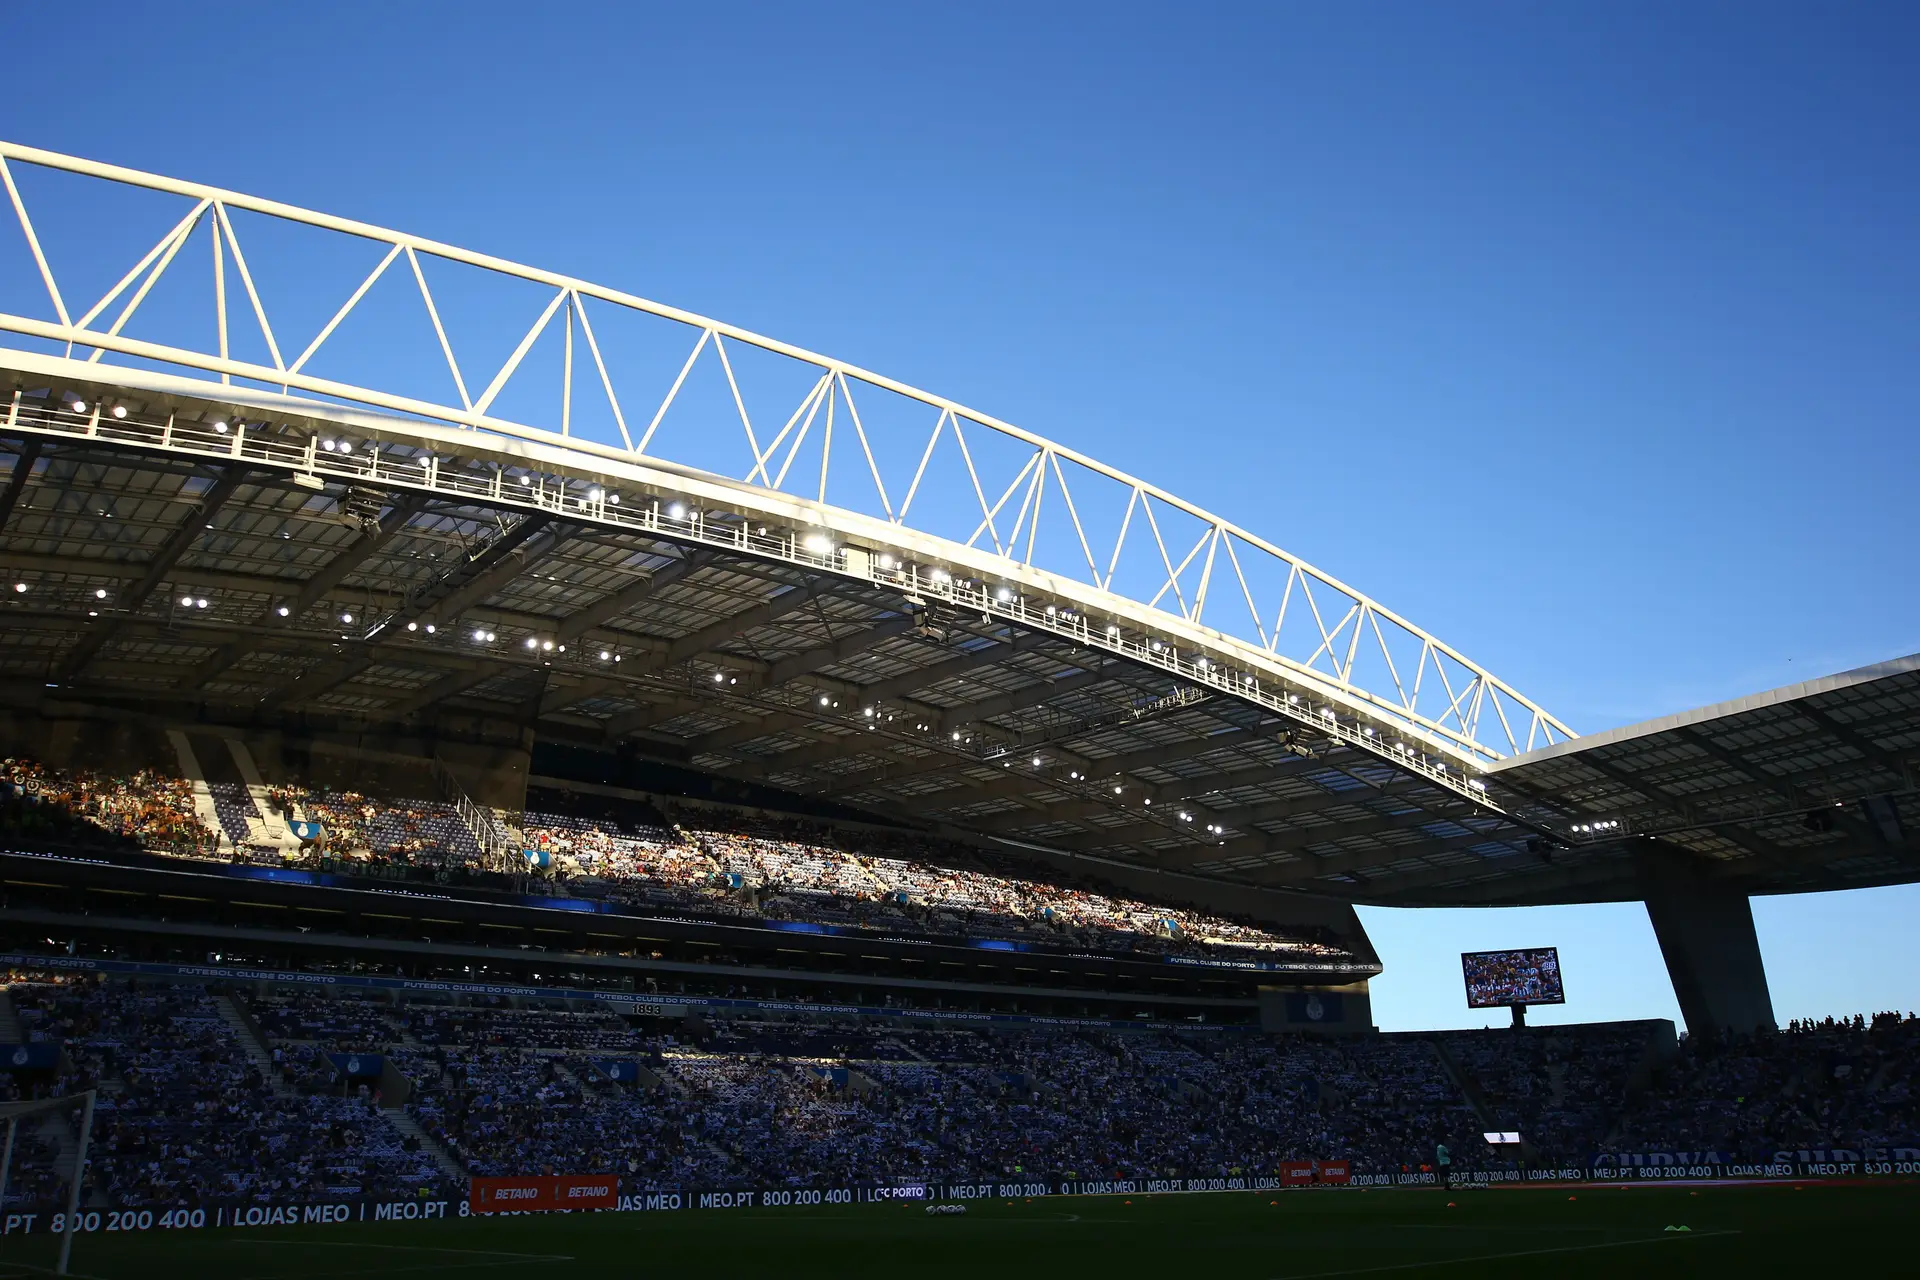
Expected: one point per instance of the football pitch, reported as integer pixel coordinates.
(1300, 1235)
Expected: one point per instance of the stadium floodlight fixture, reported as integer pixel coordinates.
(868, 713)
(1185, 816)
(201, 603)
(605, 655)
(20, 586)
(328, 445)
(1036, 762)
(526, 481)
(547, 646)
(1112, 630)
(1051, 611)
(119, 411)
(596, 493)
(956, 735)
(479, 635)
(431, 628)
(79, 406)
(719, 677)
(1476, 784)
(100, 593)
(825, 700)
(93, 613)
(1326, 713)
(1116, 788)
(532, 643)
(941, 575)
(220, 426)
(186, 602)
(676, 512)
(819, 543)
(613, 499)
(413, 626)
(886, 562)
(1003, 595)
(283, 611)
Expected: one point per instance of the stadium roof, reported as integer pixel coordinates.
(1811, 786)
(222, 533)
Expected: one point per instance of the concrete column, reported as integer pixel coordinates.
(1713, 955)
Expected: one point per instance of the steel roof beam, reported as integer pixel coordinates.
(603, 611)
(1535, 879)
(1295, 841)
(331, 575)
(878, 691)
(695, 643)
(1313, 868)
(1146, 758)
(1272, 811)
(1901, 769)
(17, 481)
(1021, 698)
(570, 629)
(1683, 805)
(1188, 789)
(455, 591)
(178, 543)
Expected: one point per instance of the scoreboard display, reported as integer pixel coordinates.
(1503, 979)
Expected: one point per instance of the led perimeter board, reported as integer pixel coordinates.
(1504, 979)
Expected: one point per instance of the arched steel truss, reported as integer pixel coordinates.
(1231, 610)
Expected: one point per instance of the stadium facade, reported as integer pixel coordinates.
(254, 547)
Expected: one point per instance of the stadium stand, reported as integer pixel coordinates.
(186, 1112)
(734, 865)
(1849, 1083)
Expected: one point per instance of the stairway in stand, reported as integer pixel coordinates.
(248, 1034)
(409, 1126)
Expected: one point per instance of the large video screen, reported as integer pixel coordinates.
(1498, 979)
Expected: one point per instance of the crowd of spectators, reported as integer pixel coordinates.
(732, 865)
(148, 808)
(1849, 1083)
(1560, 1087)
(791, 869)
(183, 1114)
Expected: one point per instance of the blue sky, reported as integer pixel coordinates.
(1582, 335)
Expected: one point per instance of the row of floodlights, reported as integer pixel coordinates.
(1596, 828)
(221, 426)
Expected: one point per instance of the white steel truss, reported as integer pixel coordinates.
(1213, 584)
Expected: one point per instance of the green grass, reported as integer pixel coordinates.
(1594, 1231)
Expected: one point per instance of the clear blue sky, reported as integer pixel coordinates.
(1592, 325)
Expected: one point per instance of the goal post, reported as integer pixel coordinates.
(13, 1113)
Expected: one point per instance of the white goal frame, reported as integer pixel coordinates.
(13, 1113)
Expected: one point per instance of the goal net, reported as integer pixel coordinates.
(43, 1183)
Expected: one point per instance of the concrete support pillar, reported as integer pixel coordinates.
(1713, 955)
